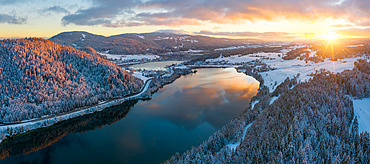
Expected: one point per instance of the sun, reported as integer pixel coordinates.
(329, 36)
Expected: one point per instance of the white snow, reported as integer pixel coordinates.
(273, 99)
(285, 51)
(192, 51)
(245, 130)
(130, 57)
(140, 76)
(230, 48)
(205, 66)
(169, 73)
(287, 68)
(244, 58)
(238, 47)
(233, 146)
(253, 104)
(140, 36)
(177, 38)
(312, 53)
(362, 111)
(290, 68)
(359, 45)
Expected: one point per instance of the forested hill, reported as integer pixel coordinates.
(39, 77)
(143, 43)
(314, 122)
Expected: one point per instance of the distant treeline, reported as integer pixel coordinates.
(155, 43)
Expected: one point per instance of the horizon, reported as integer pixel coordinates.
(194, 81)
(263, 20)
(318, 40)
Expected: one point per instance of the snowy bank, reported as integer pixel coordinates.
(285, 68)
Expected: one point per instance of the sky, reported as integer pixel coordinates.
(258, 19)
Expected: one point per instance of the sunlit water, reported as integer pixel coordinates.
(179, 116)
(155, 65)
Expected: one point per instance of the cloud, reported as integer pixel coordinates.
(8, 2)
(171, 31)
(54, 9)
(261, 35)
(104, 12)
(342, 25)
(5, 18)
(358, 32)
(113, 13)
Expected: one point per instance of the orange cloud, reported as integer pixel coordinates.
(356, 32)
(260, 35)
(112, 13)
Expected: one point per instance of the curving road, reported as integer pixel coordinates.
(128, 97)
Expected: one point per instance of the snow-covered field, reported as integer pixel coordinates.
(130, 57)
(287, 68)
(178, 38)
(359, 45)
(291, 68)
(362, 111)
(240, 59)
(192, 51)
(140, 76)
(237, 47)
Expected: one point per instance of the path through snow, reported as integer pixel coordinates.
(233, 146)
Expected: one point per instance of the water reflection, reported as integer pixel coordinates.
(211, 95)
(180, 115)
(41, 138)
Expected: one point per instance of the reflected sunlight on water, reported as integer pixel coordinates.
(179, 116)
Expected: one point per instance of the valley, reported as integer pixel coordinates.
(178, 82)
(261, 80)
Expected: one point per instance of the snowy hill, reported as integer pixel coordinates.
(143, 43)
(113, 45)
(39, 77)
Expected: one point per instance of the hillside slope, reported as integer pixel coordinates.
(143, 43)
(314, 122)
(39, 77)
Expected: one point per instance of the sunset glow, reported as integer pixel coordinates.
(329, 36)
(266, 20)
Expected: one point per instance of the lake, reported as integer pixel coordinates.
(180, 115)
(155, 65)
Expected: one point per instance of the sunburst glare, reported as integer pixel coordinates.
(329, 36)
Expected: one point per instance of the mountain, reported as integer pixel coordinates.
(39, 77)
(143, 43)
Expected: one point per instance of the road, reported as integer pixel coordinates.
(128, 97)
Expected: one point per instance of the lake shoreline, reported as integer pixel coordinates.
(150, 86)
(27, 142)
